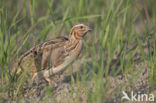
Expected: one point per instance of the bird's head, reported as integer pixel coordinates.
(80, 30)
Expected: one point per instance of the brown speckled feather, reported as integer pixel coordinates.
(54, 54)
(44, 55)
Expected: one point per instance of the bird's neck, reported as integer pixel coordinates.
(74, 36)
(74, 39)
(74, 42)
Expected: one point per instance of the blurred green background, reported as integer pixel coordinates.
(124, 36)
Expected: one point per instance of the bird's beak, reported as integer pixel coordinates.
(90, 29)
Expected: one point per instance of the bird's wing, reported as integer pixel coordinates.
(53, 55)
(38, 48)
(37, 55)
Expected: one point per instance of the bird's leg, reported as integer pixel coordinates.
(50, 82)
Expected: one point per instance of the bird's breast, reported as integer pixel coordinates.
(74, 52)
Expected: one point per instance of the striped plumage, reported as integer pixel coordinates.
(54, 53)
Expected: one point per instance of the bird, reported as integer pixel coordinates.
(54, 55)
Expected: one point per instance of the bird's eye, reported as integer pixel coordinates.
(81, 27)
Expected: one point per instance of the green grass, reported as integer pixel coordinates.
(24, 23)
